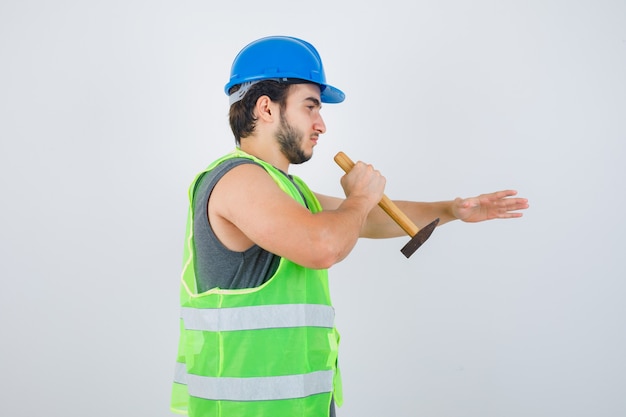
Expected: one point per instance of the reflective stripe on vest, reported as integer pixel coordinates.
(258, 317)
(255, 389)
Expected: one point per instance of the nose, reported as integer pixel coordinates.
(319, 125)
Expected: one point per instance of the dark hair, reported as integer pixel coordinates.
(241, 114)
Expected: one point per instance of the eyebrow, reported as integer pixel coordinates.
(314, 100)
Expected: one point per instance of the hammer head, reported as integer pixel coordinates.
(419, 238)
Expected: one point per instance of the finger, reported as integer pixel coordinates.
(516, 203)
(510, 215)
(510, 210)
(504, 193)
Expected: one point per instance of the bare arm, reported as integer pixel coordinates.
(497, 205)
(247, 207)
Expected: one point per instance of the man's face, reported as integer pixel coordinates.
(300, 123)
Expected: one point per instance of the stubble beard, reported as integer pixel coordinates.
(290, 140)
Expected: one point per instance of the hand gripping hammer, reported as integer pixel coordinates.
(418, 236)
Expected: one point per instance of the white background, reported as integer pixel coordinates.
(108, 109)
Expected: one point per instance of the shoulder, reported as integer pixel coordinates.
(243, 172)
(227, 165)
(233, 197)
(245, 184)
(248, 207)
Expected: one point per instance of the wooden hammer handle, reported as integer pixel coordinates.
(385, 203)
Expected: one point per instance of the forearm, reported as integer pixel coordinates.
(380, 225)
(337, 230)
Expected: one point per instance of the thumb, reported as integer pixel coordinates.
(462, 203)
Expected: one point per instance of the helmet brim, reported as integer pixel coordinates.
(330, 94)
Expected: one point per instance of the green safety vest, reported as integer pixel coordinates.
(269, 351)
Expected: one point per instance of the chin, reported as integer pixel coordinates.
(302, 158)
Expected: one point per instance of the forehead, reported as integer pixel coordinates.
(301, 92)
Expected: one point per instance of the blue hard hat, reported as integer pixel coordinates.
(282, 57)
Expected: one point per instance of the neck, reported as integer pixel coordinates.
(269, 153)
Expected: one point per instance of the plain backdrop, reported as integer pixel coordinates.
(108, 110)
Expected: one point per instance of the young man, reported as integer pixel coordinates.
(257, 325)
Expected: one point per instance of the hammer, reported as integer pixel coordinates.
(418, 236)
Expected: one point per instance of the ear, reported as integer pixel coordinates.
(266, 109)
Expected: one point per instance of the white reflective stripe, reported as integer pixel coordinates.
(180, 373)
(261, 388)
(258, 317)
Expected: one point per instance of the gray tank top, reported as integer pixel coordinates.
(216, 265)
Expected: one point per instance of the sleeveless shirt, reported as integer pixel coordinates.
(216, 265)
